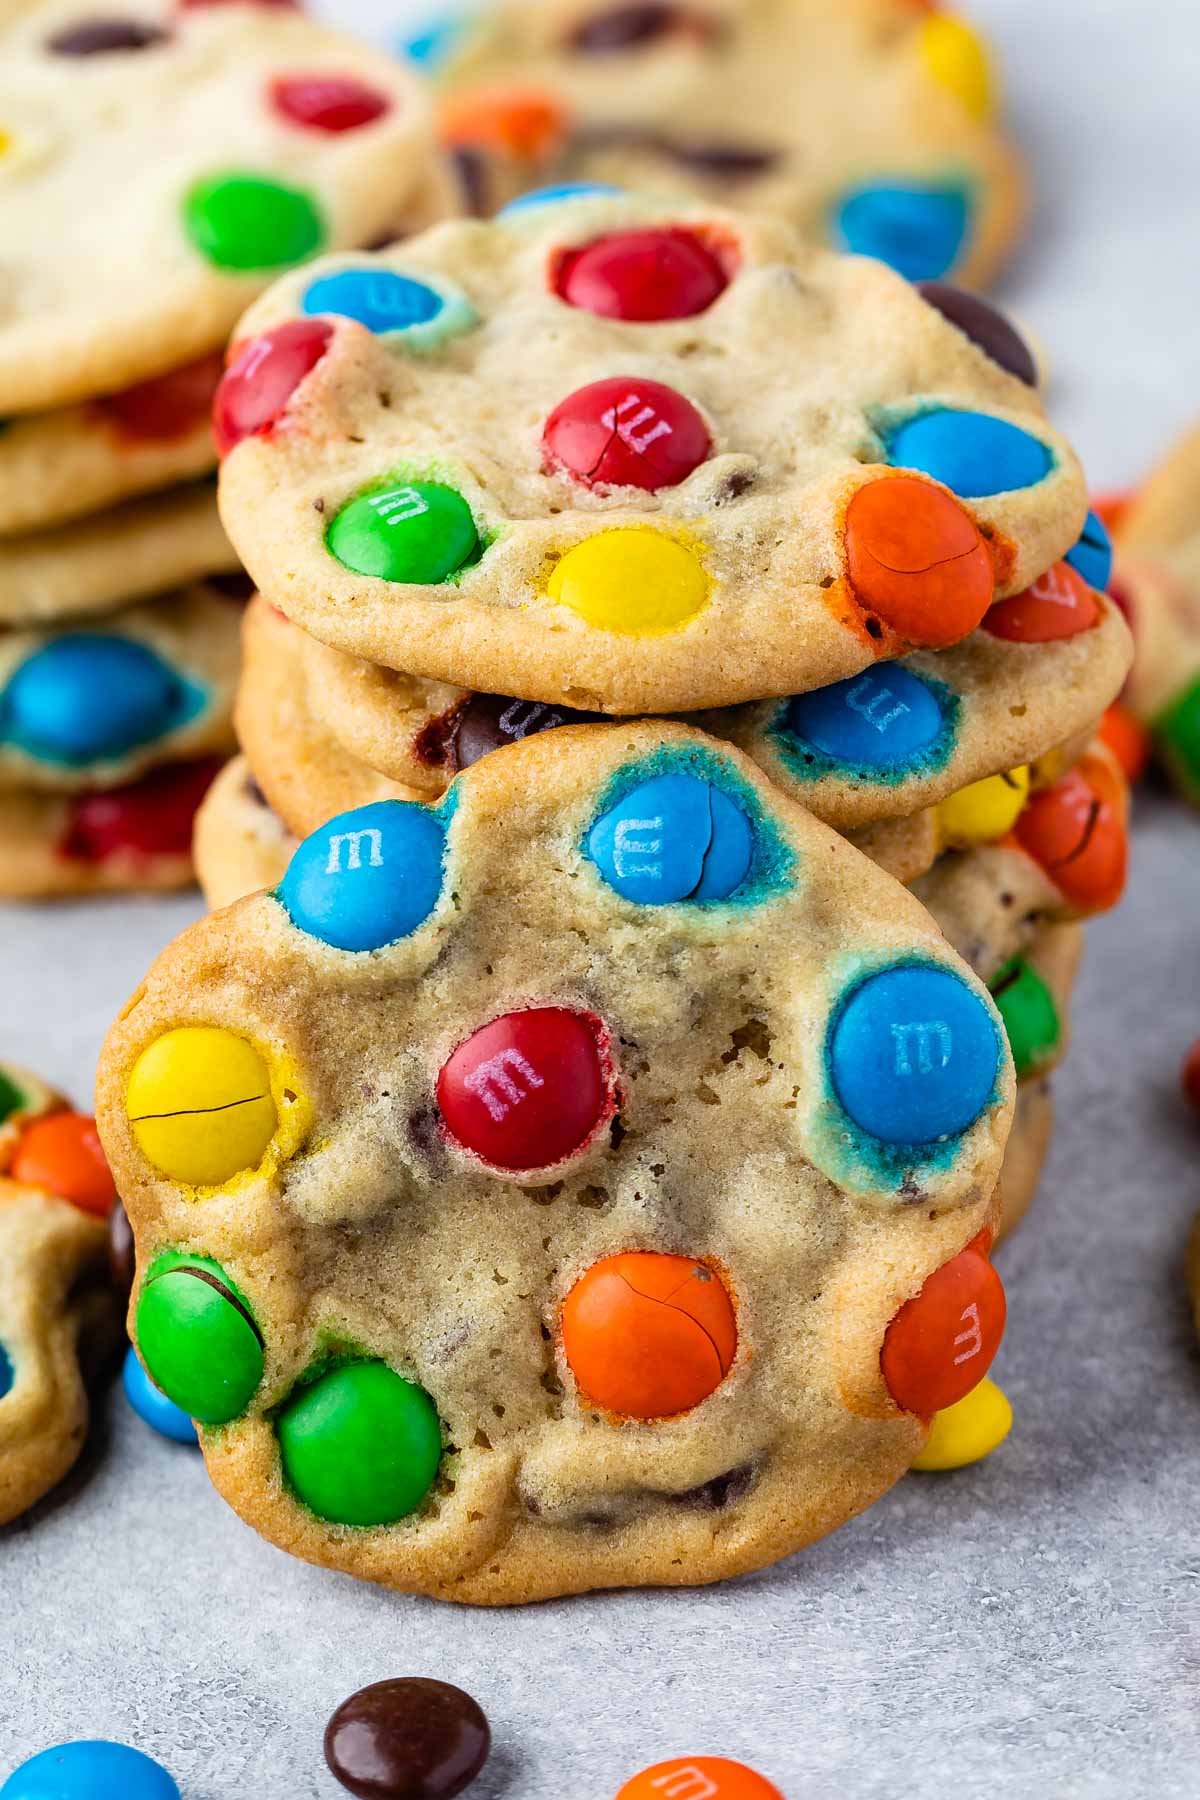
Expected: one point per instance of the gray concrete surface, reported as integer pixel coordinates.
(1030, 1628)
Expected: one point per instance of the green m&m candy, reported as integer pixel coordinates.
(198, 1338)
(1030, 1016)
(360, 1445)
(412, 531)
(1177, 734)
(12, 1098)
(251, 222)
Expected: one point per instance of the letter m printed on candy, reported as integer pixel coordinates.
(972, 1337)
(919, 1038)
(495, 1082)
(354, 841)
(867, 707)
(635, 851)
(686, 1783)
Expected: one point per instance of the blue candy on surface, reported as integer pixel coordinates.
(550, 196)
(917, 227)
(368, 877)
(1092, 556)
(93, 1769)
(673, 838)
(879, 719)
(85, 697)
(380, 299)
(971, 453)
(151, 1404)
(914, 1055)
(7, 1375)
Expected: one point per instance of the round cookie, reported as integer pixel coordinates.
(226, 143)
(131, 839)
(240, 844)
(1025, 1156)
(783, 427)
(408, 1282)
(870, 125)
(96, 703)
(132, 552)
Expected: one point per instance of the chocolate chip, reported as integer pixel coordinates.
(491, 721)
(626, 28)
(410, 1739)
(255, 794)
(472, 170)
(120, 1249)
(732, 162)
(721, 1491)
(100, 37)
(237, 585)
(986, 327)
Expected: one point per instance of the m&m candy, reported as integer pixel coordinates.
(368, 877)
(916, 558)
(633, 580)
(971, 453)
(330, 103)
(643, 276)
(151, 1404)
(529, 1089)
(150, 817)
(92, 1769)
(1126, 737)
(407, 1739)
(1092, 556)
(648, 1335)
(699, 1778)
(626, 432)
(90, 696)
(245, 222)
(360, 1445)
(62, 1154)
(984, 811)
(555, 194)
(7, 1372)
(941, 1343)
(409, 531)
(1030, 1016)
(918, 227)
(671, 839)
(955, 56)
(914, 1055)
(884, 719)
(412, 313)
(199, 1101)
(525, 123)
(987, 328)
(1060, 604)
(967, 1431)
(167, 407)
(198, 1338)
(1076, 831)
(1177, 736)
(263, 375)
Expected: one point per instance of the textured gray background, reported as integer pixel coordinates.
(1028, 1628)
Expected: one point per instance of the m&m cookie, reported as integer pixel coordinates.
(58, 1311)
(708, 486)
(508, 1213)
(240, 843)
(870, 126)
(156, 174)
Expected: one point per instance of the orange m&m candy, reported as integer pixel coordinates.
(522, 122)
(62, 1155)
(648, 1335)
(941, 1343)
(1060, 604)
(1128, 740)
(918, 559)
(1076, 831)
(699, 1778)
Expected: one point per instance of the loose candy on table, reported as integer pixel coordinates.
(632, 580)
(987, 328)
(972, 453)
(1030, 1016)
(91, 1769)
(674, 838)
(199, 1100)
(942, 1342)
(645, 276)
(198, 1338)
(699, 1778)
(918, 559)
(360, 1445)
(1058, 605)
(408, 1739)
(151, 1404)
(408, 531)
(62, 1154)
(968, 1431)
(529, 1089)
(918, 228)
(369, 877)
(648, 1335)
(984, 811)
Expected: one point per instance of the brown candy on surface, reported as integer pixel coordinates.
(407, 1739)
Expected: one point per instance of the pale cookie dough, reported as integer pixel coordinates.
(1025, 1157)
(398, 516)
(868, 124)
(393, 1217)
(93, 564)
(161, 165)
(240, 844)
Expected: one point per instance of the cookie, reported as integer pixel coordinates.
(58, 1313)
(718, 480)
(129, 553)
(132, 839)
(633, 1028)
(240, 844)
(1025, 1155)
(870, 125)
(215, 144)
(97, 702)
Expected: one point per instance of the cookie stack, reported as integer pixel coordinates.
(215, 145)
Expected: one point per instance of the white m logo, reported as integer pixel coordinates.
(921, 1038)
(627, 848)
(398, 504)
(686, 1784)
(495, 1082)
(857, 701)
(629, 418)
(524, 716)
(354, 839)
(972, 1337)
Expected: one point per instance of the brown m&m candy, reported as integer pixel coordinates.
(408, 1739)
(988, 329)
(490, 721)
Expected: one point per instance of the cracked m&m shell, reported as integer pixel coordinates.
(644, 276)
(918, 559)
(198, 1338)
(529, 1089)
(1076, 831)
(671, 839)
(648, 1335)
(199, 1101)
(626, 432)
(360, 1445)
(262, 377)
(1060, 604)
(941, 1343)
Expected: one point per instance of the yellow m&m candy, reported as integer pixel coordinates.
(199, 1100)
(967, 1431)
(632, 580)
(985, 811)
(954, 55)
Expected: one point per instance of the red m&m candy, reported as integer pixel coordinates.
(644, 276)
(62, 1155)
(648, 1336)
(1076, 831)
(941, 1344)
(167, 407)
(626, 432)
(529, 1089)
(1060, 604)
(262, 377)
(328, 102)
(151, 817)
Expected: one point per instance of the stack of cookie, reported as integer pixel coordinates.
(214, 145)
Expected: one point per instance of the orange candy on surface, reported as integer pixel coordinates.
(522, 122)
(916, 558)
(647, 1335)
(941, 1343)
(1060, 604)
(1076, 830)
(62, 1155)
(699, 1778)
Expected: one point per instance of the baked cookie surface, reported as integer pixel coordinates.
(546, 1228)
(870, 125)
(725, 473)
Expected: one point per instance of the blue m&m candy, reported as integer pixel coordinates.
(368, 877)
(90, 1770)
(971, 453)
(1092, 556)
(429, 46)
(84, 697)
(550, 196)
(673, 838)
(916, 227)
(413, 312)
(7, 1377)
(151, 1404)
(914, 1054)
(881, 719)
